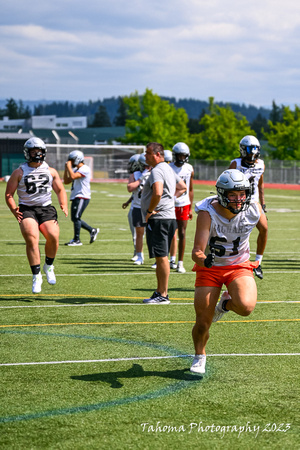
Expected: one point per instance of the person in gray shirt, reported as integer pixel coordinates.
(158, 211)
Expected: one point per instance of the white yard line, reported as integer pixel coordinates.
(139, 358)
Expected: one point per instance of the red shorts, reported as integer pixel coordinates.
(182, 212)
(219, 275)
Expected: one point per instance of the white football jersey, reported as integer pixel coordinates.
(229, 237)
(35, 186)
(81, 187)
(137, 193)
(185, 173)
(256, 171)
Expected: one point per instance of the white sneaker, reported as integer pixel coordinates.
(173, 265)
(134, 258)
(219, 311)
(198, 365)
(181, 269)
(49, 271)
(37, 281)
(153, 266)
(139, 261)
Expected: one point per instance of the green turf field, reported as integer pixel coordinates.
(85, 365)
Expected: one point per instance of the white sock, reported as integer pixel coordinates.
(173, 259)
(259, 258)
(180, 263)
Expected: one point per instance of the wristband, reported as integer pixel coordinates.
(149, 212)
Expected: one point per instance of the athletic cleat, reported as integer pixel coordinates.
(153, 266)
(173, 265)
(134, 258)
(73, 243)
(157, 299)
(37, 281)
(198, 365)
(139, 261)
(181, 269)
(258, 272)
(94, 234)
(219, 311)
(49, 271)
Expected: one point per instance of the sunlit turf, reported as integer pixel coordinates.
(100, 385)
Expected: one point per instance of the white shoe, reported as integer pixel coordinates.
(134, 258)
(37, 281)
(219, 311)
(139, 261)
(181, 269)
(198, 365)
(49, 271)
(173, 265)
(153, 266)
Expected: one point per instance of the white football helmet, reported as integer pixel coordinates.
(233, 180)
(181, 149)
(133, 163)
(142, 162)
(168, 156)
(249, 149)
(35, 143)
(76, 156)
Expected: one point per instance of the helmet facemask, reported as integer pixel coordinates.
(225, 201)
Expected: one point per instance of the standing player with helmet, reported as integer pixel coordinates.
(221, 255)
(183, 204)
(253, 167)
(132, 167)
(135, 185)
(34, 181)
(79, 174)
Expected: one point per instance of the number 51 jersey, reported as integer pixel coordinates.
(35, 186)
(230, 238)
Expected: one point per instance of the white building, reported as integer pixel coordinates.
(50, 122)
(58, 123)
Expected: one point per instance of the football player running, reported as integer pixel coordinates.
(183, 204)
(135, 186)
(34, 181)
(253, 167)
(79, 174)
(221, 255)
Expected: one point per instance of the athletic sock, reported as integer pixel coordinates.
(35, 269)
(49, 261)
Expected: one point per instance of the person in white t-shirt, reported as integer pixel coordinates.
(253, 168)
(183, 204)
(221, 254)
(79, 174)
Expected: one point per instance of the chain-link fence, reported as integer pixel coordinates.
(111, 162)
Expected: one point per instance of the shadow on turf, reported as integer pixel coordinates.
(103, 265)
(136, 371)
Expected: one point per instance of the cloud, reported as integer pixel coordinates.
(233, 50)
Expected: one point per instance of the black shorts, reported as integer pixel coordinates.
(159, 234)
(40, 214)
(137, 219)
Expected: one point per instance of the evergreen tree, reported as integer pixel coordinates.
(260, 126)
(101, 118)
(11, 109)
(120, 118)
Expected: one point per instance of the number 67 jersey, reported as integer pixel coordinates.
(230, 238)
(35, 186)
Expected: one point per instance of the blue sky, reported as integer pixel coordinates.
(236, 51)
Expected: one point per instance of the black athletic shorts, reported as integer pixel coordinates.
(40, 214)
(137, 219)
(159, 234)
